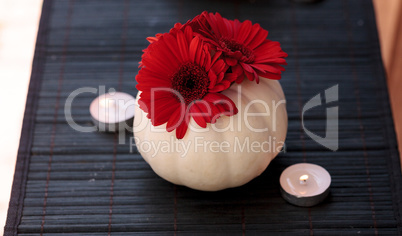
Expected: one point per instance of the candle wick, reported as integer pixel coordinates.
(303, 179)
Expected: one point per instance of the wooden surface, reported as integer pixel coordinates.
(87, 184)
(389, 21)
(19, 20)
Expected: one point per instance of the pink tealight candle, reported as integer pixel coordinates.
(113, 111)
(305, 184)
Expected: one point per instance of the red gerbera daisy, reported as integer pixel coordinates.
(245, 47)
(179, 79)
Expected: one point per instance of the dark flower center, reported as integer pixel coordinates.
(234, 46)
(191, 81)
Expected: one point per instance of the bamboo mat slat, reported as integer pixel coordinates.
(71, 183)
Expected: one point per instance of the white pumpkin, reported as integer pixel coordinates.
(226, 154)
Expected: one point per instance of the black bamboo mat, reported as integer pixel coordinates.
(88, 184)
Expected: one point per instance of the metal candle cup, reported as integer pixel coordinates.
(305, 184)
(112, 112)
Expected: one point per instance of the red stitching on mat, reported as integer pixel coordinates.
(299, 96)
(243, 220)
(121, 73)
(56, 110)
(359, 114)
(112, 184)
(298, 79)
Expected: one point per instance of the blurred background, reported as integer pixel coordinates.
(389, 23)
(19, 21)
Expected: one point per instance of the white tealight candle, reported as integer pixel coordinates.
(113, 111)
(305, 184)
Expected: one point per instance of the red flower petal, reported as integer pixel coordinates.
(182, 129)
(198, 115)
(230, 61)
(183, 46)
(176, 119)
(244, 31)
